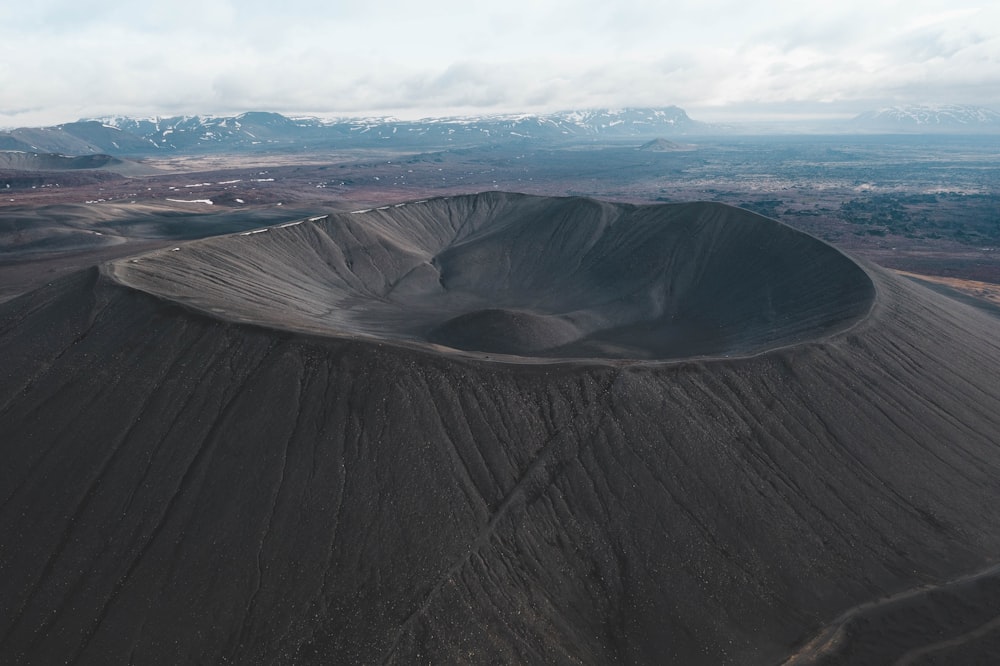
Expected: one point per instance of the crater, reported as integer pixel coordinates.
(525, 276)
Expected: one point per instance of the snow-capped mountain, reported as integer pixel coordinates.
(944, 118)
(186, 132)
(260, 130)
(84, 137)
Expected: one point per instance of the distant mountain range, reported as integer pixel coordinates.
(258, 130)
(264, 130)
(929, 119)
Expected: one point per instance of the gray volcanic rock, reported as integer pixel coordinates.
(248, 451)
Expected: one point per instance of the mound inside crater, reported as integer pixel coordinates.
(517, 275)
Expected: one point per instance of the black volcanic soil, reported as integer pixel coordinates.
(40, 243)
(192, 476)
(528, 276)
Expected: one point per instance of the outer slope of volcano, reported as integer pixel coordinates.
(195, 474)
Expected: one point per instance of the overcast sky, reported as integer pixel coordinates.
(61, 60)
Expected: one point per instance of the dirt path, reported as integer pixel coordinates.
(909, 627)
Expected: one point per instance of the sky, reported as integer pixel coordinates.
(62, 60)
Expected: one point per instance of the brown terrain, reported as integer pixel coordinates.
(915, 222)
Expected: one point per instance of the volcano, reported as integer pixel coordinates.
(498, 429)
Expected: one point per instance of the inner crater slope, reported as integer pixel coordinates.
(517, 275)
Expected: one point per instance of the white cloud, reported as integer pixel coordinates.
(60, 59)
